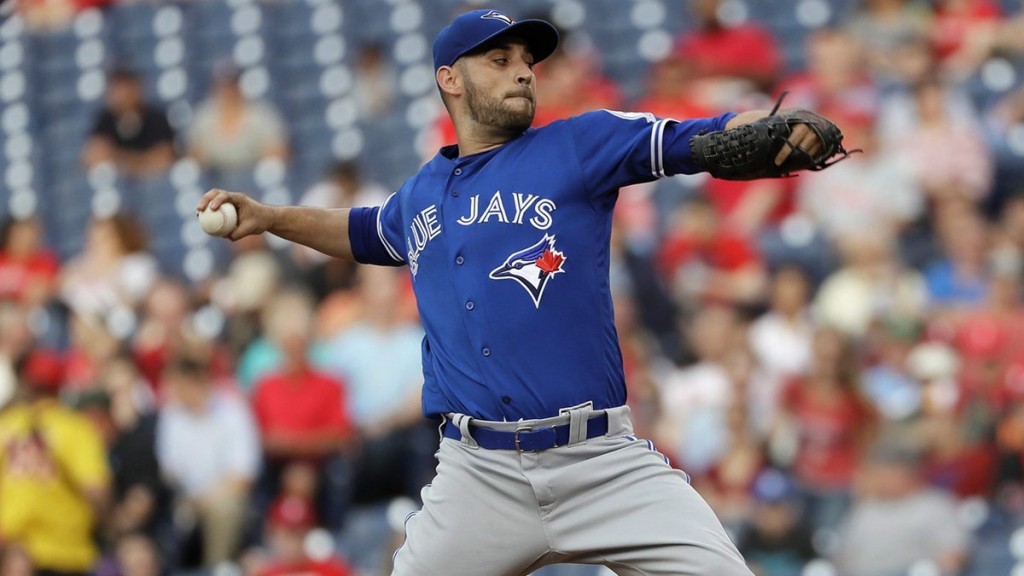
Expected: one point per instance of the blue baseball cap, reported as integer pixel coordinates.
(472, 30)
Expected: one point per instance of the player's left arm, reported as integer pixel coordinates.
(758, 144)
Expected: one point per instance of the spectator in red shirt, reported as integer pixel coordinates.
(990, 337)
(302, 413)
(701, 259)
(835, 81)
(166, 330)
(745, 52)
(671, 92)
(289, 522)
(570, 83)
(959, 27)
(28, 271)
(831, 423)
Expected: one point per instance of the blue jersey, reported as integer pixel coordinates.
(508, 251)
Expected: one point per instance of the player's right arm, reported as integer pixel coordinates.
(366, 235)
(322, 229)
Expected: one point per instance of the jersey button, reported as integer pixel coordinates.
(458, 171)
(486, 351)
(506, 400)
(470, 305)
(455, 193)
(459, 260)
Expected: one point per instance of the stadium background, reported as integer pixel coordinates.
(932, 326)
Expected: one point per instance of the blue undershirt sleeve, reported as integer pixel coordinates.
(373, 240)
(675, 142)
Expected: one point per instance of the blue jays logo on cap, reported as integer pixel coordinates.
(532, 267)
(473, 30)
(499, 16)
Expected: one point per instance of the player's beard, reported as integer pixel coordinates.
(498, 112)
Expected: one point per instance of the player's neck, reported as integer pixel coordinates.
(474, 139)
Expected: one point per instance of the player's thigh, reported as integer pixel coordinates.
(479, 516)
(637, 515)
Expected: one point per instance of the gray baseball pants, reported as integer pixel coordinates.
(611, 500)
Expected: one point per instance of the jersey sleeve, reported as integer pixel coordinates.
(617, 149)
(376, 234)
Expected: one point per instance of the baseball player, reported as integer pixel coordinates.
(506, 237)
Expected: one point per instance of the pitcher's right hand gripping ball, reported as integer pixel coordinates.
(748, 152)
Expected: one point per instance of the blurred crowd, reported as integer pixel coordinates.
(837, 360)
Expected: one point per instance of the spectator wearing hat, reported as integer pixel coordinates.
(290, 521)
(897, 520)
(54, 477)
(129, 133)
(774, 541)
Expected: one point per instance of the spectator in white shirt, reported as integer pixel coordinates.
(231, 134)
(208, 449)
(780, 340)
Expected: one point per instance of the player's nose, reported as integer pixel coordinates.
(524, 73)
(524, 76)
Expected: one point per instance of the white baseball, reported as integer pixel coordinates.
(219, 222)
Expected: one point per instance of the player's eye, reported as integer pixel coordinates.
(501, 61)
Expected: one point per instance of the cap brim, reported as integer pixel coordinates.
(540, 36)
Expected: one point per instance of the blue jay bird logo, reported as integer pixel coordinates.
(532, 267)
(495, 15)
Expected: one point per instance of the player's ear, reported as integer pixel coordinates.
(448, 80)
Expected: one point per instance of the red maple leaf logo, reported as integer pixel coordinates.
(550, 261)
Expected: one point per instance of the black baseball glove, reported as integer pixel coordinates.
(748, 152)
